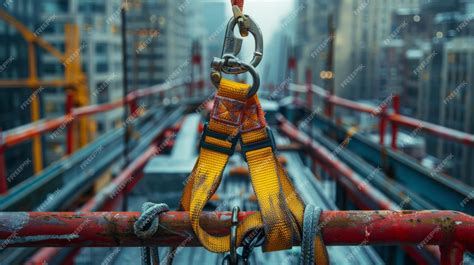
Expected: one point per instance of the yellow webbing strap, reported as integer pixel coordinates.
(281, 209)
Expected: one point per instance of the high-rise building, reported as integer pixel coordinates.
(446, 80)
(401, 54)
(313, 19)
(14, 65)
(430, 64)
(457, 103)
(366, 26)
(100, 49)
(158, 44)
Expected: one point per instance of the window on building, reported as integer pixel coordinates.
(54, 6)
(101, 48)
(102, 91)
(49, 69)
(102, 67)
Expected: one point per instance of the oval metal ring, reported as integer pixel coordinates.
(247, 68)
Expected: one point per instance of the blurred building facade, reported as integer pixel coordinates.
(365, 27)
(429, 62)
(450, 23)
(14, 65)
(101, 60)
(421, 50)
(158, 44)
(313, 40)
(423, 54)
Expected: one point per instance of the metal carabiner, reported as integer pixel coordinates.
(233, 44)
(218, 66)
(233, 236)
(233, 258)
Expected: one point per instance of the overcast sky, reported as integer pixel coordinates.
(267, 13)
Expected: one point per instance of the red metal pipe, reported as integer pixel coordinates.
(350, 104)
(33, 130)
(39, 128)
(396, 109)
(351, 182)
(107, 196)
(107, 229)
(452, 254)
(292, 70)
(114, 191)
(434, 129)
(437, 130)
(70, 126)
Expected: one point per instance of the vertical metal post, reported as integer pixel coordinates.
(125, 90)
(125, 81)
(330, 67)
(396, 109)
(35, 107)
(133, 107)
(37, 145)
(382, 124)
(452, 255)
(328, 106)
(3, 170)
(70, 126)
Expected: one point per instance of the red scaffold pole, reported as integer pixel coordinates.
(448, 229)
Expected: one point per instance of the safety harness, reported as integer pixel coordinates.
(237, 116)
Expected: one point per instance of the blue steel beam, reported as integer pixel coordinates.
(375, 176)
(439, 190)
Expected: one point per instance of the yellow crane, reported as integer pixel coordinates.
(74, 81)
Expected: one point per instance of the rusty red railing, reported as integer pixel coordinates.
(110, 197)
(27, 132)
(363, 194)
(452, 231)
(381, 111)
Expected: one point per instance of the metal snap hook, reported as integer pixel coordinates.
(230, 61)
(233, 44)
(233, 236)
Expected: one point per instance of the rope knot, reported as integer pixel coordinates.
(146, 226)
